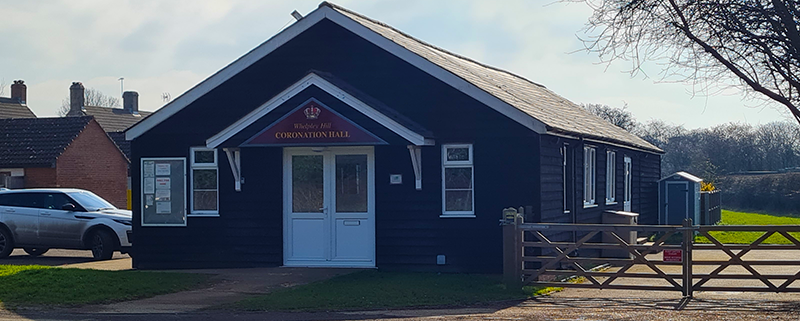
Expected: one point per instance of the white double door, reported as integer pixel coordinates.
(329, 206)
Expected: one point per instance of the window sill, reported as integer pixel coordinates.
(611, 203)
(457, 216)
(589, 205)
(203, 215)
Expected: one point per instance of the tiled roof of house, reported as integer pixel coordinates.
(114, 119)
(557, 113)
(37, 142)
(12, 108)
(119, 139)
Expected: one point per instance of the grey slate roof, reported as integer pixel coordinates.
(114, 119)
(557, 113)
(37, 142)
(12, 108)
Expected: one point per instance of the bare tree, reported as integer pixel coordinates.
(92, 97)
(2, 86)
(617, 116)
(753, 45)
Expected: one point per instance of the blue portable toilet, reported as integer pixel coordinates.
(679, 198)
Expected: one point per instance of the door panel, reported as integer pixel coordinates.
(677, 202)
(20, 212)
(628, 176)
(331, 218)
(57, 227)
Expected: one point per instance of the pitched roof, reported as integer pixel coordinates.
(12, 108)
(557, 113)
(526, 102)
(37, 142)
(114, 119)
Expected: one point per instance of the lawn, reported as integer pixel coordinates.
(43, 285)
(378, 289)
(741, 218)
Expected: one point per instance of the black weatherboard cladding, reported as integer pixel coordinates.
(408, 229)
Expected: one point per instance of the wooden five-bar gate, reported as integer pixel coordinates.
(686, 258)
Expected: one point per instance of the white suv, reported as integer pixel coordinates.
(39, 219)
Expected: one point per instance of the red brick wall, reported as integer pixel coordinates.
(93, 162)
(40, 177)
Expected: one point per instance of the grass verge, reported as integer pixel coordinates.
(44, 285)
(375, 289)
(742, 218)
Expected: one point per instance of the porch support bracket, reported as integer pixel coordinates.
(416, 162)
(234, 159)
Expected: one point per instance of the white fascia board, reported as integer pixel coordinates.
(297, 28)
(319, 82)
(224, 74)
(437, 72)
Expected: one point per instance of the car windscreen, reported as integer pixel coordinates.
(91, 202)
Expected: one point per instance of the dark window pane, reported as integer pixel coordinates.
(205, 179)
(458, 178)
(458, 154)
(56, 201)
(351, 183)
(205, 201)
(204, 157)
(307, 184)
(458, 201)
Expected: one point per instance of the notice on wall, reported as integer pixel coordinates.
(149, 199)
(162, 169)
(163, 194)
(162, 183)
(149, 185)
(149, 169)
(163, 207)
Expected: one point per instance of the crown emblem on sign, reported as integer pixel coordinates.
(312, 112)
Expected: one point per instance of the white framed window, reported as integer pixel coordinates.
(458, 199)
(204, 182)
(589, 175)
(611, 177)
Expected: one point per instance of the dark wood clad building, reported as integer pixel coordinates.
(344, 142)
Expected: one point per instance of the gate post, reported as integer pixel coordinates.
(512, 249)
(688, 239)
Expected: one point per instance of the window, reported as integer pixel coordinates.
(457, 181)
(589, 162)
(611, 177)
(205, 188)
(566, 178)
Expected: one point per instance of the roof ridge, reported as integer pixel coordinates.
(338, 7)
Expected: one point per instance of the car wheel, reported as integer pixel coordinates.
(35, 251)
(102, 245)
(6, 243)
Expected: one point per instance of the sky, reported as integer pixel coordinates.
(167, 47)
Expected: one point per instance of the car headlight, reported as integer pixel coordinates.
(123, 222)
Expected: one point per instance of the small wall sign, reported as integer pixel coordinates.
(673, 255)
(396, 179)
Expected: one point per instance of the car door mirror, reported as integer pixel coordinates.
(68, 207)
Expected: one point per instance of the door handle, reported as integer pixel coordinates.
(324, 210)
(10, 210)
(44, 214)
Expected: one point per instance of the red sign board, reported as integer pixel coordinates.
(313, 124)
(673, 255)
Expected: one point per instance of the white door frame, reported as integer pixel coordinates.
(329, 164)
(628, 182)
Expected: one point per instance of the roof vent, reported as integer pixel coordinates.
(297, 15)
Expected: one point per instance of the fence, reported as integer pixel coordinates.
(670, 261)
(710, 207)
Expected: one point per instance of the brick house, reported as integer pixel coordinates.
(62, 152)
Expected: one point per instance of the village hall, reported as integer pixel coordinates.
(343, 142)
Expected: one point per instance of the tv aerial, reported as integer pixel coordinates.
(166, 97)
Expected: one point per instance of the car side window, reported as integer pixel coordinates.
(56, 201)
(4, 199)
(31, 200)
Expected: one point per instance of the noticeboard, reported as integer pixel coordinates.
(163, 191)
